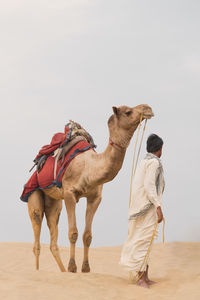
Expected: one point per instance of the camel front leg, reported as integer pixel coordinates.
(92, 205)
(70, 203)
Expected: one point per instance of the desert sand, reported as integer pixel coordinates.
(175, 266)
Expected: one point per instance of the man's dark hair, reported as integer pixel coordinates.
(154, 143)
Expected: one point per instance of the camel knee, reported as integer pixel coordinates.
(73, 236)
(87, 238)
(37, 216)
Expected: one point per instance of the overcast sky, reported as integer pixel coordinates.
(76, 59)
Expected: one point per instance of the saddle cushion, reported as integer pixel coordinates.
(45, 178)
(57, 140)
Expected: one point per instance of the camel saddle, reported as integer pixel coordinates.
(53, 159)
(61, 143)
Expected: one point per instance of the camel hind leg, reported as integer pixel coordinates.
(52, 212)
(36, 213)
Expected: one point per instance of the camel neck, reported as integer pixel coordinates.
(109, 162)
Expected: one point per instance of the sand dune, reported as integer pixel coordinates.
(176, 267)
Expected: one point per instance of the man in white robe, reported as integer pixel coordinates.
(145, 211)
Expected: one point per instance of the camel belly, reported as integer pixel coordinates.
(54, 192)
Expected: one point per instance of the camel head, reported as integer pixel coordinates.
(127, 117)
(125, 120)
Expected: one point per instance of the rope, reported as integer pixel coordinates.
(163, 230)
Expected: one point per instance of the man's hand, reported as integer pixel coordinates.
(159, 214)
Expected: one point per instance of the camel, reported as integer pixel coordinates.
(84, 177)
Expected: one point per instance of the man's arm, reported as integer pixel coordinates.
(159, 214)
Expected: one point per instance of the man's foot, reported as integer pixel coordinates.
(141, 282)
(150, 282)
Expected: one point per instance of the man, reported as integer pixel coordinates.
(145, 211)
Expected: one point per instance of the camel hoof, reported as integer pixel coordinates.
(85, 267)
(72, 266)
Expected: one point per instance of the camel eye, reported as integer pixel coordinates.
(128, 113)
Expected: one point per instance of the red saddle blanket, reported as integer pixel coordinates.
(45, 178)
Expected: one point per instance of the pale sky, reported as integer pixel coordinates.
(64, 60)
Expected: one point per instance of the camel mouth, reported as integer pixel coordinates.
(148, 115)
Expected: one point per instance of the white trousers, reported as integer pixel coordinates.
(135, 248)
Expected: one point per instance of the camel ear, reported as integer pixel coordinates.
(115, 110)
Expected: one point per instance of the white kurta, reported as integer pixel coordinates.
(140, 228)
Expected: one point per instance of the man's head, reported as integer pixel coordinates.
(154, 145)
